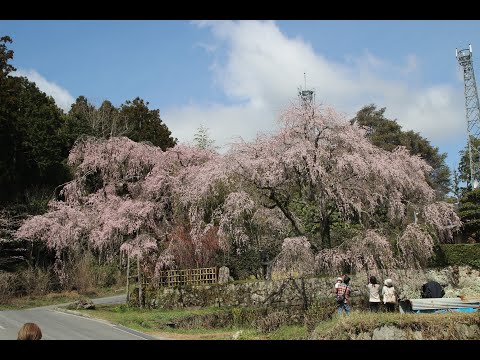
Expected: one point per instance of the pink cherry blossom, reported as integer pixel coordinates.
(177, 207)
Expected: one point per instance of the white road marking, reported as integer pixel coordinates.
(141, 337)
(1, 327)
(84, 317)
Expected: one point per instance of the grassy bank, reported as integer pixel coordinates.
(210, 323)
(200, 324)
(443, 326)
(32, 301)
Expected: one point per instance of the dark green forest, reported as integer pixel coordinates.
(36, 137)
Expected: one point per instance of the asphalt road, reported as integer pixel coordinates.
(57, 324)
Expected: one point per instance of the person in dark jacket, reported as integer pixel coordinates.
(432, 289)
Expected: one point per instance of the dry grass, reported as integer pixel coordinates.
(34, 287)
(155, 322)
(220, 335)
(32, 301)
(434, 326)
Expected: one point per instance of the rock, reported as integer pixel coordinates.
(223, 275)
(388, 333)
(466, 332)
(363, 336)
(85, 304)
(417, 335)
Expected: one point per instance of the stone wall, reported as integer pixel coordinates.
(304, 291)
(389, 332)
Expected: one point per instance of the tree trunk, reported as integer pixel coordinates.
(140, 302)
(128, 277)
(284, 209)
(325, 232)
(30, 265)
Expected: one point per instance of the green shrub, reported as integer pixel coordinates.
(237, 316)
(8, 286)
(85, 274)
(242, 316)
(24, 282)
(271, 322)
(245, 264)
(205, 321)
(320, 310)
(35, 281)
(457, 254)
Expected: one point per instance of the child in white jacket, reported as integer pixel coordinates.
(389, 295)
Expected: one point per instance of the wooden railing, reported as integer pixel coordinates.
(201, 276)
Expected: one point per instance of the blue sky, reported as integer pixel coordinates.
(234, 77)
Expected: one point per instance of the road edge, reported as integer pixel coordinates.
(140, 334)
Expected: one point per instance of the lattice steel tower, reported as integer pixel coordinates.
(472, 110)
(307, 97)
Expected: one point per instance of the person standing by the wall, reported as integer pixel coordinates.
(374, 294)
(389, 295)
(342, 293)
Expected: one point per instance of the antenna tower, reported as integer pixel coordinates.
(307, 97)
(472, 111)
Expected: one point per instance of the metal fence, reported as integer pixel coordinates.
(201, 276)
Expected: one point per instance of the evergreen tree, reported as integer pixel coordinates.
(202, 138)
(145, 124)
(469, 212)
(387, 134)
(32, 149)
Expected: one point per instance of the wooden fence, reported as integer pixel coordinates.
(200, 276)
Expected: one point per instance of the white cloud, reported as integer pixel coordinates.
(264, 68)
(62, 97)
(225, 123)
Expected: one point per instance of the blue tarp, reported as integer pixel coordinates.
(426, 311)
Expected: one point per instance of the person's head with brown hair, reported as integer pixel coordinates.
(29, 331)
